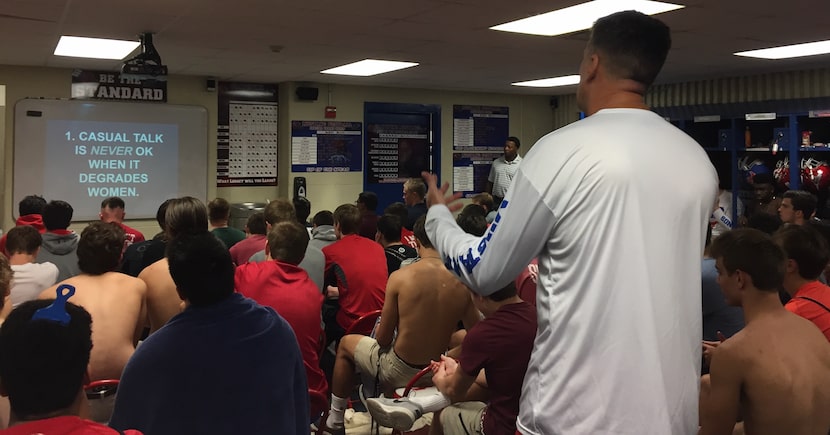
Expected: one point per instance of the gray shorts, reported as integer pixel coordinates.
(394, 372)
(463, 418)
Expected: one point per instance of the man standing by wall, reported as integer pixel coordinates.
(504, 169)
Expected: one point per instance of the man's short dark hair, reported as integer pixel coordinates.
(754, 253)
(201, 267)
(416, 185)
(806, 246)
(113, 202)
(324, 217)
(161, 213)
(485, 200)
(763, 178)
(31, 204)
(43, 363)
(389, 227)
(287, 242)
(398, 209)
(348, 217)
(802, 201)
(633, 45)
(5, 279)
(421, 233)
(369, 200)
(279, 210)
(256, 223)
(99, 250)
(219, 209)
(185, 215)
(23, 239)
(302, 207)
(766, 222)
(515, 140)
(57, 215)
(472, 220)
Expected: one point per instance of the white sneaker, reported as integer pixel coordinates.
(395, 413)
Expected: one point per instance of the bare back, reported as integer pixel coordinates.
(116, 303)
(163, 300)
(430, 302)
(784, 364)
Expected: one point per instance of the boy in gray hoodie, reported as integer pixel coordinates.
(59, 243)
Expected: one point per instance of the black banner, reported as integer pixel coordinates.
(107, 85)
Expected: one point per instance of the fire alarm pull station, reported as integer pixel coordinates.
(331, 112)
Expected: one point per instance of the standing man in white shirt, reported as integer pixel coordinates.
(504, 169)
(619, 237)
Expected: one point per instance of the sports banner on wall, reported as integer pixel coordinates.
(397, 152)
(480, 128)
(470, 172)
(326, 146)
(108, 85)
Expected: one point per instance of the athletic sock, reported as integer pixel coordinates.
(432, 402)
(338, 407)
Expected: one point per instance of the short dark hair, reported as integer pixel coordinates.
(472, 220)
(416, 185)
(23, 239)
(43, 363)
(485, 200)
(389, 227)
(398, 209)
(57, 215)
(302, 207)
(113, 202)
(256, 223)
(369, 199)
(219, 209)
(31, 204)
(99, 250)
(802, 201)
(279, 210)
(287, 242)
(763, 178)
(5, 279)
(421, 233)
(324, 217)
(348, 217)
(201, 267)
(185, 215)
(806, 246)
(161, 213)
(515, 140)
(507, 292)
(634, 46)
(753, 252)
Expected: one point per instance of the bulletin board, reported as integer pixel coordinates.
(326, 146)
(480, 128)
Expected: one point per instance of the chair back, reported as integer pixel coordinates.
(364, 324)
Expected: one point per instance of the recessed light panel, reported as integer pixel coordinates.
(581, 16)
(94, 48)
(789, 51)
(369, 67)
(551, 82)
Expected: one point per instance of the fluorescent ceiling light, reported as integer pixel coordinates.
(369, 67)
(95, 48)
(788, 51)
(551, 82)
(581, 17)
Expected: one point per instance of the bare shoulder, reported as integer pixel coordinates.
(154, 271)
(129, 282)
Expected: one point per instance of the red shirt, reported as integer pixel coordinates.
(811, 310)
(290, 292)
(358, 266)
(131, 235)
(242, 251)
(34, 220)
(408, 238)
(67, 425)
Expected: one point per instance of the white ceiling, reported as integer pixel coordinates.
(233, 40)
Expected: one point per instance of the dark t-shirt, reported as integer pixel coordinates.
(717, 314)
(229, 235)
(501, 345)
(397, 253)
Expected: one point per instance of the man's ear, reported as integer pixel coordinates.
(592, 67)
(791, 266)
(3, 391)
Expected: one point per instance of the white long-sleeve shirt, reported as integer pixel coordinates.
(615, 207)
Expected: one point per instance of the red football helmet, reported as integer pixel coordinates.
(782, 173)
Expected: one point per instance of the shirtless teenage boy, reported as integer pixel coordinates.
(776, 371)
(114, 300)
(424, 301)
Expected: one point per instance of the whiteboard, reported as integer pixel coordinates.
(83, 152)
